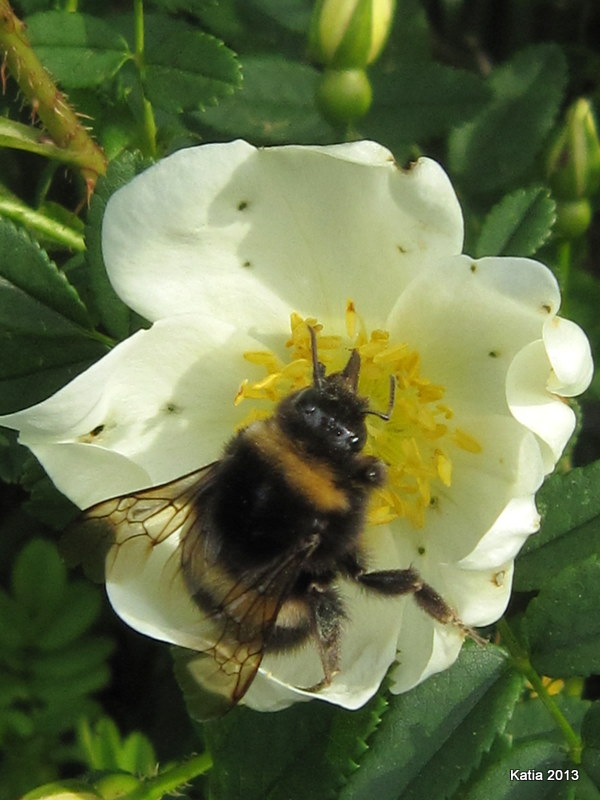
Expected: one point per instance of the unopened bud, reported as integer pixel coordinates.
(63, 790)
(344, 95)
(573, 158)
(349, 34)
(573, 218)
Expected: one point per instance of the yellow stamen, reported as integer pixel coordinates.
(416, 442)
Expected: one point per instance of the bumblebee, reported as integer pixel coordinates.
(266, 533)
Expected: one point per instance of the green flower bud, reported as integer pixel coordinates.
(114, 785)
(63, 790)
(344, 95)
(347, 34)
(573, 158)
(573, 218)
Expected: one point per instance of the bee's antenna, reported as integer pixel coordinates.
(352, 369)
(318, 368)
(386, 415)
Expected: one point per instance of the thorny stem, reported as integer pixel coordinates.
(148, 113)
(170, 780)
(46, 101)
(520, 658)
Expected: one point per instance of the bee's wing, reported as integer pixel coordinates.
(243, 612)
(163, 543)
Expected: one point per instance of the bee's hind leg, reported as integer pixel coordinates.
(396, 582)
(327, 617)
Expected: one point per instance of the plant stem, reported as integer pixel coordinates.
(520, 658)
(147, 111)
(40, 224)
(46, 101)
(170, 780)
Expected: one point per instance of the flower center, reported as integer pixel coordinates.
(415, 443)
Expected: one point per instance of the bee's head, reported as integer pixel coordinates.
(328, 417)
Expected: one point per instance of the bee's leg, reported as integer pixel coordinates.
(327, 615)
(396, 582)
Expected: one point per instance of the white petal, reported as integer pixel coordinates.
(505, 538)
(424, 648)
(549, 417)
(468, 319)
(249, 235)
(570, 356)
(146, 589)
(164, 398)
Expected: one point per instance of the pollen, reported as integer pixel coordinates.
(416, 443)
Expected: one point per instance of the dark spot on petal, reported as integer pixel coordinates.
(473, 267)
(246, 264)
(401, 249)
(172, 408)
(421, 551)
(493, 354)
(243, 204)
(547, 308)
(434, 501)
(88, 438)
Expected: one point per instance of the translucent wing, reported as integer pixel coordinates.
(167, 576)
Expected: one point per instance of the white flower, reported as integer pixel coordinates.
(217, 246)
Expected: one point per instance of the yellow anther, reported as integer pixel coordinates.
(416, 443)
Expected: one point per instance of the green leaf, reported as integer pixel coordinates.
(590, 732)
(105, 749)
(531, 720)
(518, 225)
(431, 738)
(77, 49)
(26, 137)
(80, 608)
(80, 657)
(584, 301)
(274, 106)
(39, 579)
(25, 267)
(562, 624)
(420, 100)
(15, 625)
(45, 502)
(570, 532)
(116, 317)
(506, 779)
(12, 457)
(303, 751)
(496, 149)
(45, 335)
(291, 14)
(185, 68)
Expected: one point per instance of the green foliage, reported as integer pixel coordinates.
(419, 101)
(570, 532)
(480, 85)
(563, 637)
(500, 144)
(44, 321)
(78, 49)
(518, 225)
(105, 749)
(50, 664)
(275, 104)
